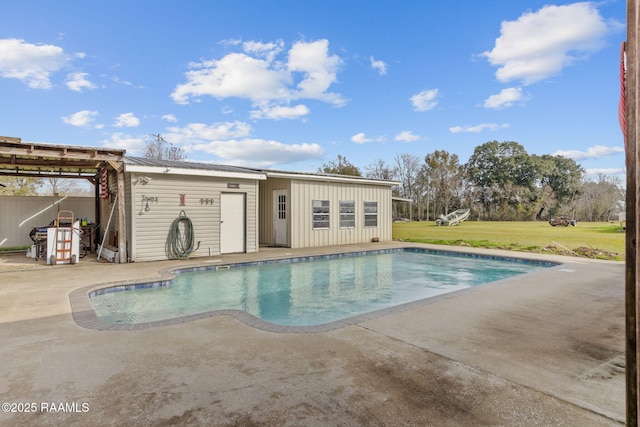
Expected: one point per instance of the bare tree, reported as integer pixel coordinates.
(380, 170)
(60, 186)
(158, 148)
(19, 186)
(407, 168)
(600, 199)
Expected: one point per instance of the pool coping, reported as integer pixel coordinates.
(85, 316)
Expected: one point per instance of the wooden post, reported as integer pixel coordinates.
(631, 288)
(122, 224)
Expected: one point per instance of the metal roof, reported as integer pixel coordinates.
(185, 164)
(175, 167)
(327, 177)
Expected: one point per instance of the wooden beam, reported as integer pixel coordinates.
(117, 166)
(59, 151)
(43, 175)
(632, 226)
(122, 224)
(10, 139)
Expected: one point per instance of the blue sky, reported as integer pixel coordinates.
(291, 84)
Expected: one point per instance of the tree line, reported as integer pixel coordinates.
(500, 181)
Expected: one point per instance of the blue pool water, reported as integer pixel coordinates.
(306, 293)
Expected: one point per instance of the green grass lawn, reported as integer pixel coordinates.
(592, 239)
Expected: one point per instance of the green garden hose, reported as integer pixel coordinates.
(180, 240)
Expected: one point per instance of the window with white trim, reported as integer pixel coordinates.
(320, 214)
(347, 214)
(370, 214)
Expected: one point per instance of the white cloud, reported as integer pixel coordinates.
(424, 100)
(319, 69)
(604, 171)
(30, 63)
(127, 120)
(133, 145)
(406, 136)
(78, 81)
(280, 112)
(264, 50)
(506, 98)
(257, 75)
(260, 152)
(200, 132)
(233, 144)
(235, 75)
(381, 66)
(477, 128)
(595, 152)
(84, 118)
(540, 44)
(360, 138)
(230, 42)
(171, 118)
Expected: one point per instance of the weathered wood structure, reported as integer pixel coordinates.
(629, 123)
(38, 160)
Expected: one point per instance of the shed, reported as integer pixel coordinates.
(299, 210)
(220, 202)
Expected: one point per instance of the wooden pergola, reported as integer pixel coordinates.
(38, 160)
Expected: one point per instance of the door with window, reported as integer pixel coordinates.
(280, 213)
(232, 223)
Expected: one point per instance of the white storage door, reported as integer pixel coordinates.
(232, 223)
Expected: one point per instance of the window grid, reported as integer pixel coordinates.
(282, 207)
(320, 214)
(370, 214)
(347, 214)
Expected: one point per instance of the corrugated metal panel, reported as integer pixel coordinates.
(156, 204)
(304, 192)
(19, 214)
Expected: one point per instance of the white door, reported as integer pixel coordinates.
(280, 203)
(232, 222)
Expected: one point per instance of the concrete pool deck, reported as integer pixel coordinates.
(543, 349)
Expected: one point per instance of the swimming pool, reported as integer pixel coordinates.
(308, 291)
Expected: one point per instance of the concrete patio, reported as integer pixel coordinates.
(543, 349)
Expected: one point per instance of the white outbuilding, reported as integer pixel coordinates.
(147, 209)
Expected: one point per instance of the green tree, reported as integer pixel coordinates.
(558, 181)
(340, 166)
(504, 177)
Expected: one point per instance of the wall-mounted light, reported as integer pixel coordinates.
(143, 180)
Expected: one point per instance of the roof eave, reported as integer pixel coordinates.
(193, 172)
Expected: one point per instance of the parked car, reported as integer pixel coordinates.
(562, 220)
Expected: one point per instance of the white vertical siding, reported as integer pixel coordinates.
(201, 205)
(304, 192)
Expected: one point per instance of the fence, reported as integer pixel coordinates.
(20, 214)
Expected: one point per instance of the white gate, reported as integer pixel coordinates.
(232, 223)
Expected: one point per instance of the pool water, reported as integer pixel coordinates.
(307, 293)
